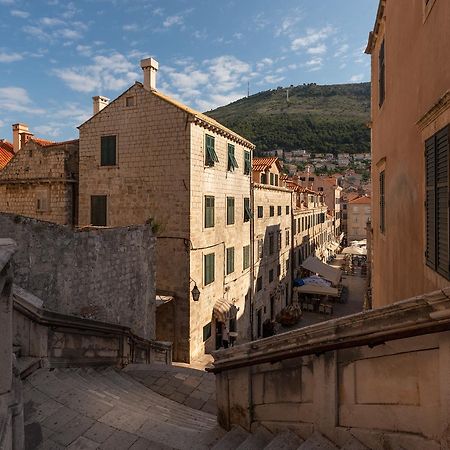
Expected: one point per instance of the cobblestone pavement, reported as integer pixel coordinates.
(193, 387)
(356, 285)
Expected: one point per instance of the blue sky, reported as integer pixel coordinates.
(56, 54)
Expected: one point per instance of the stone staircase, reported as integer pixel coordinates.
(86, 408)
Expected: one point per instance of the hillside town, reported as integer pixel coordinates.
(166, 284)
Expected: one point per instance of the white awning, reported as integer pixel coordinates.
(317, 290)
(354, 251)
(224, 310)
(315, 265)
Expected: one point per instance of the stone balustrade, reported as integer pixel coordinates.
(379, 376)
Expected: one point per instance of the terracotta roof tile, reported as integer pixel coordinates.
(42, 142)
(364, 200)
(6, 153)
(260, 164)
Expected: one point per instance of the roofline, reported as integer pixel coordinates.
(197, 118)
(373, 35)
(53, 144)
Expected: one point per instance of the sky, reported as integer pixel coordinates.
(56, 54)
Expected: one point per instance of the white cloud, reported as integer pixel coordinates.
(318, 50)
(84, 50)
(357, 78)
(342, 50)
(68, 33)
(272, 79)
(173, 20)
(312, 37)
(51, 21)
(130, 27)
(10, 57)
(114, 72)
(36, 32)
(289, 23)
(264, 63)
(314, 62)
(158, 11)
(16, 99)
(7, 2)
(20, 14)
(238, 35)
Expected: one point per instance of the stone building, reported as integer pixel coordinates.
(41, 178)
(410, 120)
(331, 191)
(358, 214)
(272, 209)
(146, 157)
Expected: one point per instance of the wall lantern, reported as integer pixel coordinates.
(195, 293)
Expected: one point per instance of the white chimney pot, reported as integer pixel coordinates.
(18, 130)
(150, 67)
(99, 103)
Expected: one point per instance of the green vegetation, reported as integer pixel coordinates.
(319, 119)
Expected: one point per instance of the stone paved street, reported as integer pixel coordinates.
(190, 385)
(356, 285)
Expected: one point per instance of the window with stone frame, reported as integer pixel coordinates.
(247, 162)
(437, 241)
(288, 238)
(230, 210)
(270, 275)
(230, 260)
(271, 211)
(246, 257)
(232, 163)
(259, 284)
(42, 200)
(210, 151)
(209, 268)
(209, 211)
(108, 150)
(260, 212)
(260, 248)
(247, 210)
(279, 210)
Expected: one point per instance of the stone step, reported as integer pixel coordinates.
(257, 440)
(231, 440)
(317, 442)
(354, 444)
(27, 365)
(286, 440)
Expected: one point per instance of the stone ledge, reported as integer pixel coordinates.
(428, 313)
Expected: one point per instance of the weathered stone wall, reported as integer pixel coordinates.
(104, 274)
(368, 376)
(234, 287)
(45, 174)
(279, 287)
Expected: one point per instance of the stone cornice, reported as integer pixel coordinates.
(435, 111)
(373, 35)
(429, 313)
(269, 187)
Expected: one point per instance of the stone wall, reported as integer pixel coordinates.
(104, 274)
(11, 403)
(41, 182)
(380, 377)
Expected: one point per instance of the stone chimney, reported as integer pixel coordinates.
(99, 103)
(19, 129)
(150, 67)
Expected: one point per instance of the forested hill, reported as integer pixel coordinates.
(329, 118)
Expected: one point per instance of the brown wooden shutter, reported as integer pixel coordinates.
(430, 208)
(98, 210)
(442, 229)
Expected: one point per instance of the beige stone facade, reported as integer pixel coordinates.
(358, 214)
(331, 191)
(160, 173)
(272, 215)
(41, 180)
(410, 111)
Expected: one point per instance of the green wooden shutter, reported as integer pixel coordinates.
(247, 211)
(209, 268)
(108, 151)
(210, 154)
(232, 163)
(230, 210)
(209, 211)
(247, 163)
(230, 260)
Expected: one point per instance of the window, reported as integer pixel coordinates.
(287, 210)
(276, 179)
(287, 238)
(230, 210)
(272, 211)
(381, 75)
(382, 204)
(260, 248)
(437, 202)
(230, 260)
(210, 154)
(207, 331)
(42, 203)
(260, 212)
(98, 210)
(270, 275)
(246, 257)
(209, 268)
(279, 240)
(209, 211)
(232, 163)
(247, 211)
(271, 179)
(263, 178)
(108, 151)
(259, 284)
(130, 101)
(279, 210)
(247, 163)
(271, 243)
